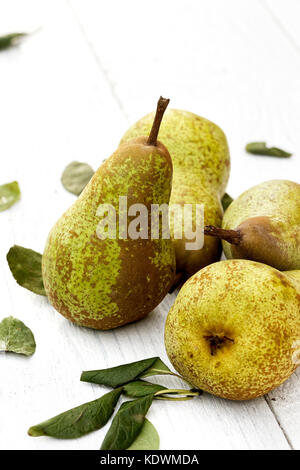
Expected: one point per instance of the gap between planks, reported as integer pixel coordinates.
(98, 60)
(269, 403)
(280, 25)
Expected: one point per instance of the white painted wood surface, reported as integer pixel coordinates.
(69, 93)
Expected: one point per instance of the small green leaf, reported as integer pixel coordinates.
(9, 194)
(226, 201)
(260, 148)
(141, 388)
(148, 439)
(11, 40)
(26, 267)
(127, 424)
(16, 337)
(158, 368)
(120, 375)
(80, 420)
(76, 176)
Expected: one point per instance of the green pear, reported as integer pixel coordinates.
(234, 330)
(201, 164)
(102, 282)
(263, 224)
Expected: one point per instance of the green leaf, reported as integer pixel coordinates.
(80, 420)
(9, 194)
(226, 201)
(158, 368)
(16, 337)
(127, 424)
(148, 439)
(26, 267)
(260, 148)
(120, 375)
(76, 176)
(141, 388)
(11, 40)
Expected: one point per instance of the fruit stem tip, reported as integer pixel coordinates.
(160, 110)
(233, 237)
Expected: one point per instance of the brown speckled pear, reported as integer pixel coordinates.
(105, 283)
(263, 224)
(234, 330)
(201, 164)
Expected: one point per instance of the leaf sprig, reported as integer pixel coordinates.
(226, 201)
(14, 39)
(11, 40)
(260, 148)
(127, 424)
(129, 428)
(80, 420)
(16, 337)
(26, 268)
(76, 176)
(9, 194)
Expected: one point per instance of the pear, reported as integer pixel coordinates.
(263, 224)
(234, 330)
(201, 164)
(101, 282)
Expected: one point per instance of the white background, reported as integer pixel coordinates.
(69, 93)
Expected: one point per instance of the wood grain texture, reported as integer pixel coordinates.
(69, 93)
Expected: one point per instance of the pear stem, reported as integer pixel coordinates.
(174, 399)
(160, 110)
(188, 394)
(176, 391)
(234, 237)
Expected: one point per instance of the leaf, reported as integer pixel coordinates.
(16, 337)
(141, 388)
(11, 40)
(148, 439)
(9, 194)
(80, 420)
(120, 375)
(26, 267)
(76, 176)
(226, 201)
(260, 148)
(127, 424)
(158, 368)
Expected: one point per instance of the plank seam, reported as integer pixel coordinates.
(269, 403)
(98, 60)
(281, 26)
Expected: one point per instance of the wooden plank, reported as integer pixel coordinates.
(242, 87)
(286, 19)
(285, 400)
(56, 106)
(224, 60)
